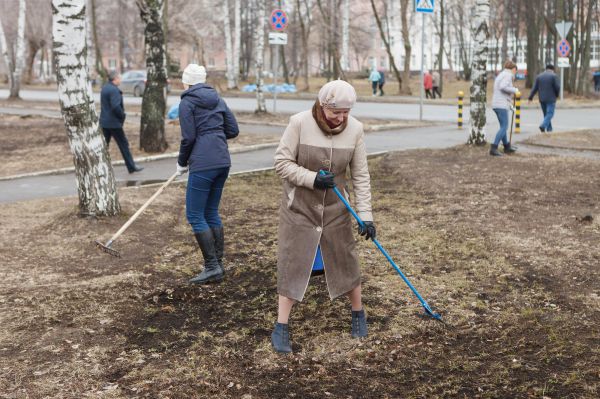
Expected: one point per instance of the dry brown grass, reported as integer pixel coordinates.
(498, 247)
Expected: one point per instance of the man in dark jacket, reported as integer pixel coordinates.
(112, 117)
(548, 86)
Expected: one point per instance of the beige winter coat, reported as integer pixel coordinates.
(308, 216)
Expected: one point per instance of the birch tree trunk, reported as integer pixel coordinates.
(6, 56)
(237, 37)
(305, 20)
(15, 81)
(89, 39)
(152, 126)
(345, 35)
(228, 47)
(478, 72)
(259, 37)
(95, 179)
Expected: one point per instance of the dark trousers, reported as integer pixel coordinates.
(381, 93)
(119, 136)
(428, 93)
(436, 89)
(374, 86)
(202, 198)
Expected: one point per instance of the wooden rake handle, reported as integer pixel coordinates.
(139, 211)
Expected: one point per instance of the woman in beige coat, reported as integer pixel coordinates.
(313, 220)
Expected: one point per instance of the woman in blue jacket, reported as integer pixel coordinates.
(206, 125)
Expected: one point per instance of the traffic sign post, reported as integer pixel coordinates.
(563, 48)
(279, 21)
(424, 7)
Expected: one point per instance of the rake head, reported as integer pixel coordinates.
(107, 249)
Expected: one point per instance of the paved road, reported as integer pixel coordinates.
(565, 118)
(63, 185)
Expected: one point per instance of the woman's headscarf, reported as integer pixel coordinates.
(337, 94)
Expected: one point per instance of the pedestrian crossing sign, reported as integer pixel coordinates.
(425, 6)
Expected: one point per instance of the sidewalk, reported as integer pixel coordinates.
(28, 188)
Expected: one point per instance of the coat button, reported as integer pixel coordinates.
(319, 229)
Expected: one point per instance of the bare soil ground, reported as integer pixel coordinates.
(34, 143)
(576, 140)
(506, 249)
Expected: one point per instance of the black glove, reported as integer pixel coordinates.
(367, 230)
(324, 181)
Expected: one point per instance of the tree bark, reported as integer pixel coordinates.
(532, 8)
(388, 49)
(345, 35)
(440, 55)
(259, 38)
(15, 86)
(95, 179)
(100, 69)
(7, 58)
(407, 45)
(152, 126)
(228, 46)
(479, 73)
(236, 42)
(305, 29)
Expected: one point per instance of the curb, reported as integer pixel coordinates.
(62, 171)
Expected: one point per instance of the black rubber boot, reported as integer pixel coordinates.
(359, 324)
(494, 151)
(509, 149)
(280, 338)
(219, 245)
(212, 271)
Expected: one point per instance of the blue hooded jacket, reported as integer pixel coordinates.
(112, 112)
(206, 125)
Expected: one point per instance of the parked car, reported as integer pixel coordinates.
(134, 82)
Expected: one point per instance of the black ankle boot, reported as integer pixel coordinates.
(359, 324)
(219, 245)
(509, 149)
(494, 151)
(280, 338)
(212, 271)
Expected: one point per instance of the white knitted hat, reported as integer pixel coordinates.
(193, 74)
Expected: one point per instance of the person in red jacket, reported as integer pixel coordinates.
(428, 84)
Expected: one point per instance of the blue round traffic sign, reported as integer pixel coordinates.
(279, 20)
(563, 48)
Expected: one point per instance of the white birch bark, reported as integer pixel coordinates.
(259, 37)
(16, 70)
(237, 37)
(228, 47)
(91, 53)
(478, 72)
(345, 61)
(95, 179)
(6, 56)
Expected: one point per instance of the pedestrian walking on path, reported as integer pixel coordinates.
(206, 125)
(435, 82)
(596, 79)
(112, 118)
(381, 81)
(502, 101)
(314, 225)
(374, 78)
(548, 87)
(428, 84)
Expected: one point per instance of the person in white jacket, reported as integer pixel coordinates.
(501, 104)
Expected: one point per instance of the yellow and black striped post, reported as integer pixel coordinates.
(518, 112)
(460, 108)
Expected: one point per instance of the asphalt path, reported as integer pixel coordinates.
(565, 119)
(26, 188)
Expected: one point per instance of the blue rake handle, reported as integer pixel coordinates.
(389, 258)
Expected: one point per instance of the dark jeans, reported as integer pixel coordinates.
(548, 110)
(119, 136)
(374, 86)
(502, 115)
(204, 190)
(436, 89)
(380, 84)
